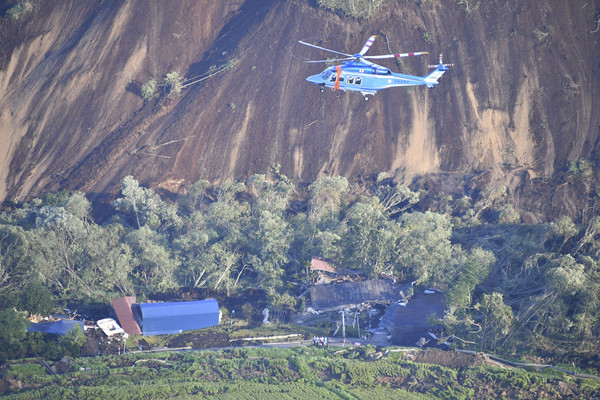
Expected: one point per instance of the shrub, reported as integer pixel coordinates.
(148, 89)
(18, 11)
(352, 8)
(174, 82)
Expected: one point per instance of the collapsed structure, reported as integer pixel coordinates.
(409, 318)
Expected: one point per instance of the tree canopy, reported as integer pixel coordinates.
(504, 282)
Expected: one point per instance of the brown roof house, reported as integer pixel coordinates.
(124, 313)
(320, 265)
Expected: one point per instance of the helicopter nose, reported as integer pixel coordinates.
(315, 79)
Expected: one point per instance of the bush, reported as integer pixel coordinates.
(352, 8)
(18, 11)
(174, 82)
(148, 89)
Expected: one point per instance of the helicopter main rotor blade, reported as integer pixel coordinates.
(323, 48)
(419, 53)
(367, 45)
(329, 60)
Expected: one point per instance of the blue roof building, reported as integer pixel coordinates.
(61, 327)
(169, 318)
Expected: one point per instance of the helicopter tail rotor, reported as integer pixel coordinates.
(432, 79)
(441, 64)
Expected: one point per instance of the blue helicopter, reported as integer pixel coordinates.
(358, 74)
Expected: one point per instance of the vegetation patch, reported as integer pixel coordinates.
(289, 373)
(352, 8)
(18, 11)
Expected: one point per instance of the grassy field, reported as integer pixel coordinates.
(295, 373)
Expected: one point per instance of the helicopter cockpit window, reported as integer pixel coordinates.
(332, 78)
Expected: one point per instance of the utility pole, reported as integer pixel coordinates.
(344, 326)
(357, 317)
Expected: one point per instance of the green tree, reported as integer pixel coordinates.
(191, 246)
(111, 259)
(566, 277)
(496, 319)
(369, 239)
(146, 206)
(508, 215)
(564, 228)
(16, 262)
(329, 244)
(38, 299)
(396, 199)
(469, 271)
(423, 246)
(269, 241)
(272, 196)
(194, 196)
(489, 198)
(270, 236)
(60, 253)
(72, 342)
(13, 328)
(325, 197)
(156, 267)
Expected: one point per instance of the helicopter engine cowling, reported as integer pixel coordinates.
(381, 71)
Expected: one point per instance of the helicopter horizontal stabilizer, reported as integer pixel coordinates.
(432, 79)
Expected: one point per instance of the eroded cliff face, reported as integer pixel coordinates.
(520, 102)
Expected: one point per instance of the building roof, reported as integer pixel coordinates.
(418, 310)
(124, 313)
(412, 323)
(316, 264)
(61, 327)
(169, 318)
(342, 294)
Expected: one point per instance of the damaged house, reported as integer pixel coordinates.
(339, 295)
(417, 322)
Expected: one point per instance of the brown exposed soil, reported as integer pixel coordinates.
(446, 358)
(520, 102)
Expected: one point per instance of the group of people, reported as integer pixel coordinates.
(320, 341)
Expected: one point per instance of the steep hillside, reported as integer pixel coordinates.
(520, 103)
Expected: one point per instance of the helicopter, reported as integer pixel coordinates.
(358, 74)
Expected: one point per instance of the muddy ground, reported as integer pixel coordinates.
(517, 106)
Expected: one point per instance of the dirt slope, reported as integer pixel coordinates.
(519, 104)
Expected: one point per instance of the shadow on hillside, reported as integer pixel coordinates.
(251, 13)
